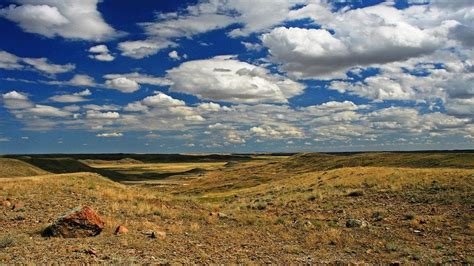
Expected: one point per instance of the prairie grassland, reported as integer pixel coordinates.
(257, 211)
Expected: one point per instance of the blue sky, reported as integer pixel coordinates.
(235, 76)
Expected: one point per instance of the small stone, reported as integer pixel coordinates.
(78, 222)
(6, 204)
(219, 214)
(92, 252)
(222, 215)
(19, 218)
(353, 223)
(158, 234)
(18, 206)
(121, 230)
(356, 194)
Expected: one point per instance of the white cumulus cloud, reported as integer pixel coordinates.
(102, 115)
(224, 78)
(143, 48)
(12, 62)
(123, 84)
(72, 98)
(101, 53)
(68, 19)
(77, 80)
(356, 37)
(141, 78)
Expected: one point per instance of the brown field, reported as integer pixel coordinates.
(418, 207)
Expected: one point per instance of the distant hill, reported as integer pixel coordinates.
(58, 165)
(322, 161)
(67, 165)
(144, 158)
(17, 168)
(118, 162)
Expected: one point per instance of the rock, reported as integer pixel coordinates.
(6, 204)
(121, 230)
(158, 234)
(91, 251)
(222, 215)
(353, 223)
(219, 214)
(378, 216)
(19, 218)
(78, 222)
(356, 193)
(18, 206)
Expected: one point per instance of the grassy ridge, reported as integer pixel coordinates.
(68, 165)
(17, 168)
(321, 161)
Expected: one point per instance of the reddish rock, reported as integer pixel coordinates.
(78, 222)
(6, 204)
(121, 230)
(92, 252)
(17, 206)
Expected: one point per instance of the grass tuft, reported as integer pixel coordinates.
(6, 241)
